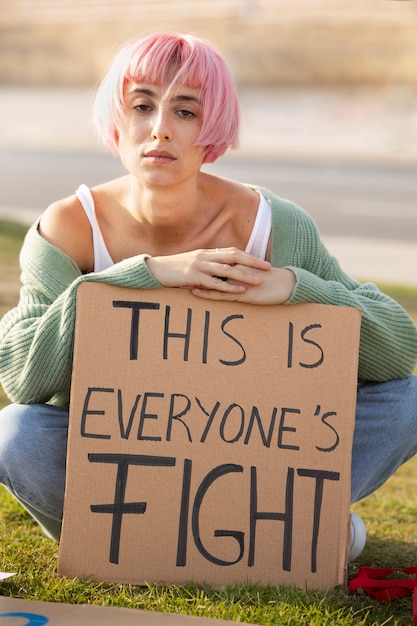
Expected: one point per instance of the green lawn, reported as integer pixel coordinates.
(390, 516)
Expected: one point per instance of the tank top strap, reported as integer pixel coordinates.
(258, 241)
(102, 258)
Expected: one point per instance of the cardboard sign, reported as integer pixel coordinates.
(17, 612)
(209, 441)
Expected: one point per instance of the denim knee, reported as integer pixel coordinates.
(385, 434)
(33, 442)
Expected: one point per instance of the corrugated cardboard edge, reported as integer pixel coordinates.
(63, 614)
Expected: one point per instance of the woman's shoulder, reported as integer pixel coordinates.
(43, 263)
(63, 209)
(247, 189)
(70, 211)
(232, 195)
(65, 225)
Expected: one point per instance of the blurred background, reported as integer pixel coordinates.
(328, 91)
(266, 42)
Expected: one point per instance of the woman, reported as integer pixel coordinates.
(166, 106)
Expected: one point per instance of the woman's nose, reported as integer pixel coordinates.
(160, 127)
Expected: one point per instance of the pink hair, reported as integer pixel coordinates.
(170, 59)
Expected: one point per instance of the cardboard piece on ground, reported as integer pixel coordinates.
(36, 613)
(209, 441)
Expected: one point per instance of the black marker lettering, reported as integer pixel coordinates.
(223, 326)
(211, 417)
(205, 337)
(186, 335)
(255, 417)
(87, 411)
(283, 428)
(290, 344)
(134, 325)
(206, 483)
(125, 432)
(239, 431)
(320, 476)
(184, 512)
(314, 343)
(119, 507)
(286, 517)
(147, 416)
(323, 419)
(175, 414)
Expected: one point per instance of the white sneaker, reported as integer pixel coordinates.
(357, 536)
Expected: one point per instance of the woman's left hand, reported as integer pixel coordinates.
(276, 286)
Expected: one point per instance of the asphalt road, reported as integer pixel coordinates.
(377, 202)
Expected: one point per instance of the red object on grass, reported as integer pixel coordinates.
(374, 582)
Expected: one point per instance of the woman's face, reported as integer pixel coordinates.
(156, 139)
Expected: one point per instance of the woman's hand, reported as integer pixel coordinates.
(275, 287)
(224, 274)
(209, 269)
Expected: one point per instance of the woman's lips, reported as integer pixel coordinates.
(159, 156)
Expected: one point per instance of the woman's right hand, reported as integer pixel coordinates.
(228, 270)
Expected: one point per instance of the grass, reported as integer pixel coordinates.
(390, 516)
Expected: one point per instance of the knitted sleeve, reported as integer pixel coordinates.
(36, 337)
(388, 341)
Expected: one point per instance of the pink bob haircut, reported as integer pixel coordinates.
(172, 60)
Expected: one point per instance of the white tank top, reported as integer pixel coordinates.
(102, 258)
(257, 244)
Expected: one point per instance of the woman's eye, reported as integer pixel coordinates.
(143, 108)
(185, 113)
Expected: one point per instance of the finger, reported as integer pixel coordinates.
(234, 256)
(215, 294)
(241, 274)
(222, 284)
(221, 271)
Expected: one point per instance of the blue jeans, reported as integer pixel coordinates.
(33, 441)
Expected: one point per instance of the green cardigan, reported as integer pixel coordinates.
(36, 337)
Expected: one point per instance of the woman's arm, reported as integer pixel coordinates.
(36, 337)
(388, 342)
(304, 271)
(388, 339)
